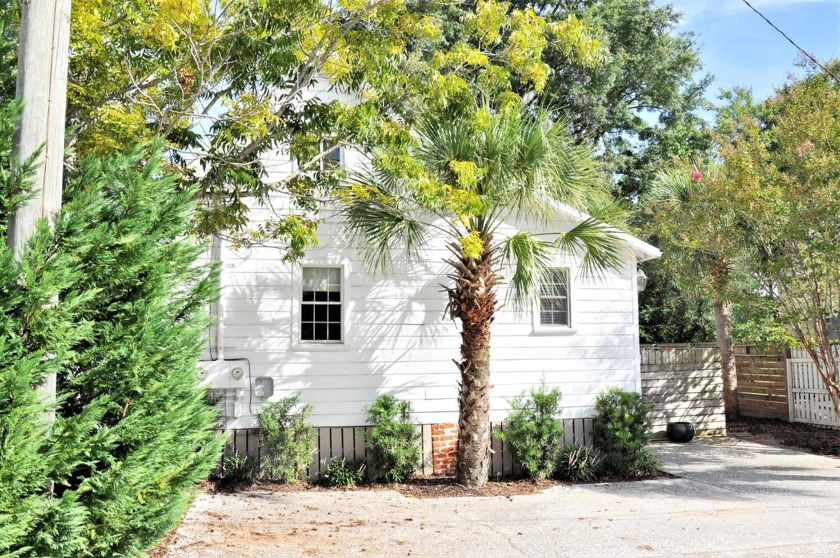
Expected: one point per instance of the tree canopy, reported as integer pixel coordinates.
(783, 159)
(640, 105)
(226, 84)
(759, 224)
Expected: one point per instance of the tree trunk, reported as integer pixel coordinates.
(723, 328)
(473, 302)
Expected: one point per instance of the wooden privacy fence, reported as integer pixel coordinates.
(762, 382)
(809, 399)
(683, 383)
(349, 442)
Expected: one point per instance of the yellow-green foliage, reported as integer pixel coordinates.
(219, 81)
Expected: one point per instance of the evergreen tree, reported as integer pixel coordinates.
(125, 226)
(34, 336)
(132, 433)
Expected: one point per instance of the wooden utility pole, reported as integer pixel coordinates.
(42, 85)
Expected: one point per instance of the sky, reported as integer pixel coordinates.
(740, 48)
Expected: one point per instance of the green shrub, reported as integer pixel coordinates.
(239, 470)
(393, 444)
(341, 473)
(647, 464)
(580, 464)
(535, 430)
(287, 438)
(622, 433)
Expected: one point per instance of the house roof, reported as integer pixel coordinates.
(642, 249)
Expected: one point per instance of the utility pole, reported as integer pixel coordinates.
(42, 85)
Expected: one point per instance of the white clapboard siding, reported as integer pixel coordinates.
(397, 338)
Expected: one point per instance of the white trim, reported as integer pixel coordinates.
(297, 295)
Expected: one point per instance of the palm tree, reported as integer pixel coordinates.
(702, 239)
(464, 178)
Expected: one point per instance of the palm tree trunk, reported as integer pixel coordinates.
(473, 302)
(726, 343)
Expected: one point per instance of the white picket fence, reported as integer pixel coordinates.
(808, 398)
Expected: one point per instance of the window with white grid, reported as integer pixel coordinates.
(320, 306)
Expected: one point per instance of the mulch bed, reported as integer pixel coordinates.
(823, 441)
(420, 487)
(425, 487)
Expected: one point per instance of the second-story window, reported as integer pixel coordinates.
(333, 155)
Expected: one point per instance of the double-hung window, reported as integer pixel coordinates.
(554, 298)
(321, 305)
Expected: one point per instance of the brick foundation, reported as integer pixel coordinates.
(444, 449)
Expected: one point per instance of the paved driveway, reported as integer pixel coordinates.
(734, 498)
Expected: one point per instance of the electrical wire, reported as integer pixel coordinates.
(791, 41)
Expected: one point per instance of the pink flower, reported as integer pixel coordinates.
(803, 149)
(696, 176)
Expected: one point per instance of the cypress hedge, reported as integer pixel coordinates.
(111, 299)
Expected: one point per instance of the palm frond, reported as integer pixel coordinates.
(441, 142)
(670, 185)
(384, 222)
(551, 167)
(611, 211)
(528, 258)
(598, 244)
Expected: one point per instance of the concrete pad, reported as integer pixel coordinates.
(734, 499)
(756, 470)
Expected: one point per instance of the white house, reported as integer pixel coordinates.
(341, 335)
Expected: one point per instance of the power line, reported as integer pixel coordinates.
(799, 48)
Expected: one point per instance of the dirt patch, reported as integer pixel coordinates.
(160, 550)
(448, 488)
(822, 441)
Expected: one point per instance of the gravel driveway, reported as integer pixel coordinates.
(734, 498)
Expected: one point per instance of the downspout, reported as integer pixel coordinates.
(634, 282)
(217, 337)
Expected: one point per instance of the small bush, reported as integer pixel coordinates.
(393, 443)
(238, 470)
(647, 464)
(340, 473)
(287, 438)
(622, 433)
(535, 430)
(580, 464)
